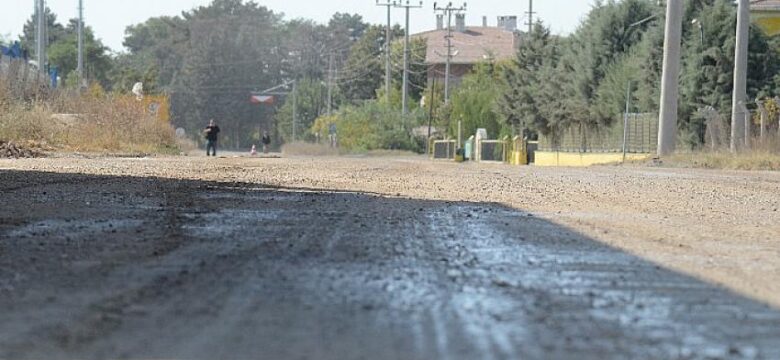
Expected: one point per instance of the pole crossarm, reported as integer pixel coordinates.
(270, 91)
(448, 11)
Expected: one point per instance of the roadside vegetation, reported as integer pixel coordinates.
(753, 160)
(94, 121)
(580, 82)
(210, 59)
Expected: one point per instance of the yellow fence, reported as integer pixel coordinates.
(552, 158)
(518, 153)
(769, 21)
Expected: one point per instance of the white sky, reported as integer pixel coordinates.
(109, 18)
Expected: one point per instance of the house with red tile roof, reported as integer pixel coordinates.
(766, 14)
(470, 46)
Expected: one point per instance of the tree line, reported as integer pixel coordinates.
(209, 59)
(582, 81)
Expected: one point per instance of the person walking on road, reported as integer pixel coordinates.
(266, 142)
(332, 135)
(211, 138)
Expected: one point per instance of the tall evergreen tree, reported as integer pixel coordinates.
(523, 97)
(609, 31)
(708, 66)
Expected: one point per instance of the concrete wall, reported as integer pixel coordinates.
(549, 158)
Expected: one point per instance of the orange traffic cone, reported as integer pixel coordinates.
(254, 151)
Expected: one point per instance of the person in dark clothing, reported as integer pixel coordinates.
(211, 138)
(266, 142)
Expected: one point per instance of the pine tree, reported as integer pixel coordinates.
(522, 97)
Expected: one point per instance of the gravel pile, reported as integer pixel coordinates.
(11, 150)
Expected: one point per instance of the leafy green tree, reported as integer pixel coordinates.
(708, 66)
(227, 56)
(474, 102)
(418, 70)
(604, 37)
(54, 31)
(310, 102)
(160, 43)
(64, 55)
(351, 26)
(127, 71)
(62, 49)
(363, 73)
(373, 125)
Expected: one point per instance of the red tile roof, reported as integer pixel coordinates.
(765, 5)
(474, 45)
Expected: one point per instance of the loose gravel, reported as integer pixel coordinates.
(398, 257)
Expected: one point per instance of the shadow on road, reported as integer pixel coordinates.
(138, 267)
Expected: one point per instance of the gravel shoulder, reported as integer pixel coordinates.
(396, 257)
(722, 226)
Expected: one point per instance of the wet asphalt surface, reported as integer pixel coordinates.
(103, 267)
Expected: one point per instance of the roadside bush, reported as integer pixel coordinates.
(372, 126)
(94, 122)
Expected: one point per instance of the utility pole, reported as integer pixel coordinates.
(330, 82)
(530, 16)
(295, 107)
(388, 35)
(764, 117)
(449, 10)
(40, 37)
(625, 120)
(667, 127)
(80, 66)
(405, 90)
(430, 114)
(740, 75)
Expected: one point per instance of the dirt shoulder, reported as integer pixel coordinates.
(720, 226)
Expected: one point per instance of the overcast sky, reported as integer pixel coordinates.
(109, 18)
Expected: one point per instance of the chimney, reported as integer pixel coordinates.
(460, 22)
(510, 23)
(484, 21)
(500, 23)
(439, 21)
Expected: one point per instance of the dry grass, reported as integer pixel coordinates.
(93, 122)
(749, 160)
(762, 155)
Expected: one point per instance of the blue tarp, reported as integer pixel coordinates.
(53, 74)
(14, 51)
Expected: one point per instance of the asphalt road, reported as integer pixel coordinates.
(139, 267)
